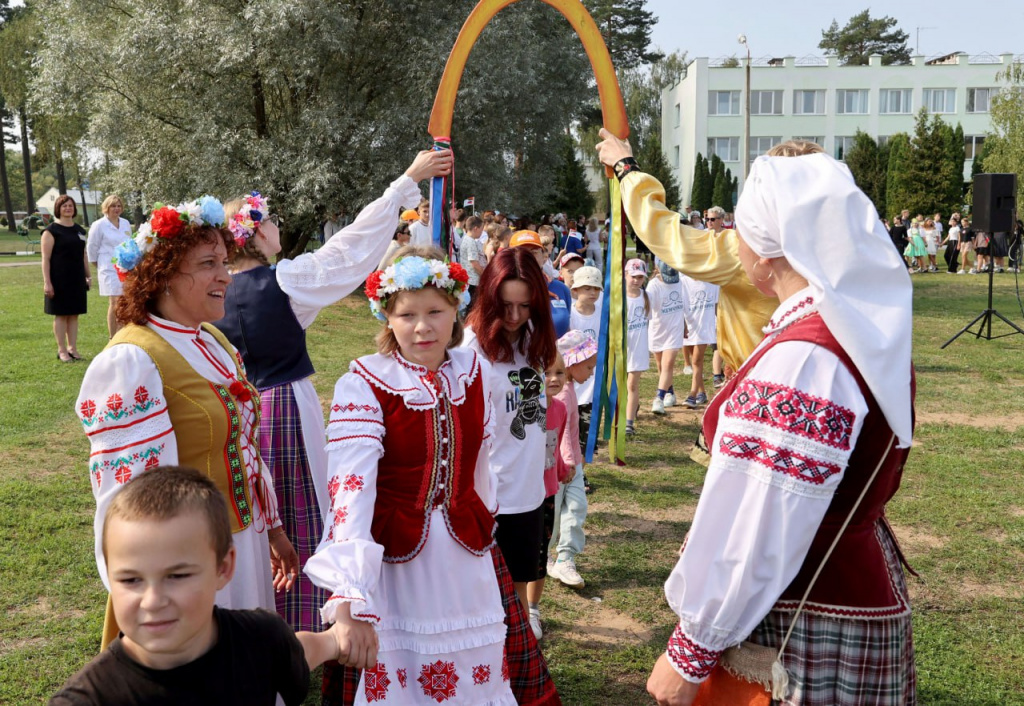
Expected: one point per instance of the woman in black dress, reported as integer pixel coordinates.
(66, 276)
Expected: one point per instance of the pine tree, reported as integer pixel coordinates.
(626, 26)
(930, 171)
(881, 179)
(899, 186)
(862, 159)
(655, 164)
(956, 160)
(696, 191)
(720, 196)
(571, 191)
(731, 199)
(707, 194)
(863, 36)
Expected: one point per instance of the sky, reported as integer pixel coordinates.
(777, 28)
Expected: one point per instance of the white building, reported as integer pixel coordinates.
(817, 99)
(93, 199)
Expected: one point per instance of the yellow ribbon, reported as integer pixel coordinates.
(617, 331)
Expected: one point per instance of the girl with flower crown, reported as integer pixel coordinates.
(267, 312)
(169, 389)
(415, 600)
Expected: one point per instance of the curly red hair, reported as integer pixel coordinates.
(149, 278)
(488, 315)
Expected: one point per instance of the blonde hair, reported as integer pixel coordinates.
(385, 340)
(795, 148)
(249, 250)
(109, 201)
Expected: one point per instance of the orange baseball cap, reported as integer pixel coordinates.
(410, 215)
(525, 237)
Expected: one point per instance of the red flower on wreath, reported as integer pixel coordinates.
(88, 409)
(373, 285)
(114, 402)
(458, 273)
(239, 391)
(438, 680)
(166, 223)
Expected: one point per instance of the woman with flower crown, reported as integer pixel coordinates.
(170, 389)
(415, 601)
(267, 311)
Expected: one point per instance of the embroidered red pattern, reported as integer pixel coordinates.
(332, 488)
(123, 474)
(353, 483)
(438, 680)
(341, 516)
(504, 663)
(778, 459)
(376, 682)
(773, 324)
(87, 409)
(114, 402)
(794, 411)
(352, 407)
(690, 657)
(481, 674)
(141, 395)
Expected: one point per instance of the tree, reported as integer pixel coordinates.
(571, 193)
(700, 175)
(1003, 150)
(626, 27)
(931, 171)
(5, 186)
(720, 195)
(864, 36)
(17, 47)
(653, 161)
(899, 186)
(957, 156)
(862, 159)
(311, 109)
(715, 168)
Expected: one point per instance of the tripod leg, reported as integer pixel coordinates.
(966, 328)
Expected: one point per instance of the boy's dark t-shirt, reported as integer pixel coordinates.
(256, 657)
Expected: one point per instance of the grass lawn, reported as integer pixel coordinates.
(959, 514)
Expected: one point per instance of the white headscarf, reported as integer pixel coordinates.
(809, 210)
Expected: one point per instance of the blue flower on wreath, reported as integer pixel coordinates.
(127, 255)
(464, 299)
(377, 311)
(212, 211)
(411, 272)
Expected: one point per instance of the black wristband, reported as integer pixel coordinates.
(625, 166)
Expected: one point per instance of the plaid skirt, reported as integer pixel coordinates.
(845, 661)
(284, 451)
(528, 672)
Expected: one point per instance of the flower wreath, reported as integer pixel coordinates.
(166, 223)
(407, 274)
(244, 223)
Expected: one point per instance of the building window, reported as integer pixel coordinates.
(809, 102)
(727, 148)
(972, 145)
(852, 102)
(940, 100)
(979, 100)
(818, 140)
(883, 140)
(760, 145)
(678, 114)
(895, 101)
(843, 145)
(766, 102)
(675, 156)
(723, 102)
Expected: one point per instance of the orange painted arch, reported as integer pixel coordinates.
(612, 108)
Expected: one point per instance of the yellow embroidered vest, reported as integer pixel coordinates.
(204, 415)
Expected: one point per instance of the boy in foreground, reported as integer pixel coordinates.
(167, 545)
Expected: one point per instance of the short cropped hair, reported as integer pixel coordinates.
(166, 492)
(717, 212)
(474, 222)
(59, 204)
(110, 201)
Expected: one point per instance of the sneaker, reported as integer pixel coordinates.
(999, 270)
(718, 380)
(973, 271)
(962, 272)
(933, 268)
(702, 398)
(658, 406)
(691, 402)
(688, 370)
(550, 564)
(535, 623)
(587, 488)
(630, 432)
(670, 399)
(565, 571)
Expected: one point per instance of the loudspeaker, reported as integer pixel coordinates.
(994, 201)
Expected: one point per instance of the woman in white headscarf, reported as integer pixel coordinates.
(819, 415)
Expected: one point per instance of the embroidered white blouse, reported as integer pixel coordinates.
(124, 413)
(754, 523)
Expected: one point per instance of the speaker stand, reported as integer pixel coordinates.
(984, 319)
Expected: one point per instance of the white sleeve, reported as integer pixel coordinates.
(485, 480)
(783, 442)
(92, 244)
(318, 279)
(124, 414)
(348, 560)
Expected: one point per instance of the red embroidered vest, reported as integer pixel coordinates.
(856, 581)
(429, 462)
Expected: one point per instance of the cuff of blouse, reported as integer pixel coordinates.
(692, 661)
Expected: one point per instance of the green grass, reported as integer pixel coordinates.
(959, 513)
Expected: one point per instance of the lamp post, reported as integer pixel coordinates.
(742, 39)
